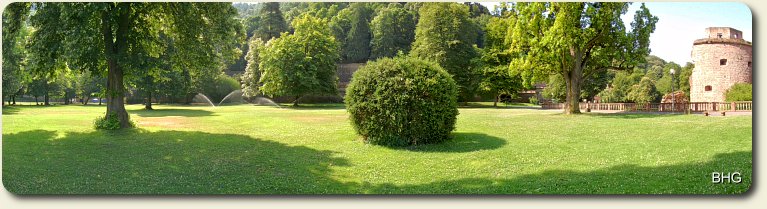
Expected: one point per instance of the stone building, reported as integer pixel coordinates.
(721, 60)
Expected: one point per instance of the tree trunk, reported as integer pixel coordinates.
(46, 100)
(100, 101)
(149, 88)
(14, 99)
(148, 103)
(497, 97)
(36, 103)
(85, 101)
(66, 98)
(112, 49)
(573, 82)
(295, 102)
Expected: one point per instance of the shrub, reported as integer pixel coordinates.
(402, 101)
(739, 92)
(534, 100)
(111, 123)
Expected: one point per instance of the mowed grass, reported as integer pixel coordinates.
(249, 149)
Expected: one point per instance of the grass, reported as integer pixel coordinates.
(313, 150)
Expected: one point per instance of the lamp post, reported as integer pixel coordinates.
(673, 94)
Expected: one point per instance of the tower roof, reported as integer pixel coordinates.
(722, 35)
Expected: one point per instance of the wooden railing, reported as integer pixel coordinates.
(662, 107)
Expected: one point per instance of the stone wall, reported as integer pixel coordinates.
(712, 76)
(345, 72)
(724, 32)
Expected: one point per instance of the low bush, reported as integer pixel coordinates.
(739, 92)
(533, 100)
(110, 123)
(402, 101)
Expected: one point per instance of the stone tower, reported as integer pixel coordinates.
(721, 60)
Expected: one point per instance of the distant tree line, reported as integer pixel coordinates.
(172, 51)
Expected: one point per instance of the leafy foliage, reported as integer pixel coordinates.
(393, 31)
(252, 74)
(14, 40)
(402, 101)
(576, 40)
(497, 81)
(643, 92)
(221, 86)
(301, 63)
(555, 89)
(110, 122)
(270, 22)
(684, 78)
(739, 92)
(357, 47)
(667, 82)
(445, 35)
(125, 39)
(620, 86)
(89, 84)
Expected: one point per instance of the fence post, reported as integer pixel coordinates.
(732, 106)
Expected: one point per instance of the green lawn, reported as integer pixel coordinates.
(313, 150)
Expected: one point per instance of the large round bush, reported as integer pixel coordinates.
(402, 101)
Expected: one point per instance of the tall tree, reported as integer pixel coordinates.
(497, 81)
(357, 47)
(271, 22)
(644, 92)
(445, 35)
(301, 63)
(122, 35)
(14, 41)
(620, 86)
(250, 79)
(576, 40)
(393, 31)
(668, 82)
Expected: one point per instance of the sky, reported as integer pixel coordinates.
(681, 23)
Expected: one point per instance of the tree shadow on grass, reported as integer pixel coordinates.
(162, 162)
(182, 162)
(9, 110)
(172, 112)
(462, 142)
(689, 178)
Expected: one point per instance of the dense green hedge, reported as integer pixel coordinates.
(739, 92)
(402, 101)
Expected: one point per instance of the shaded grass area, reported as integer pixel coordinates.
(250, 149)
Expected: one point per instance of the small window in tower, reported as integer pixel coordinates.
(719, 35)
(723, 62)
(708, 88)
(749, 64)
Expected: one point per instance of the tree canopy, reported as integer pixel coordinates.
(445, 35)
(576, 40)
(301, 63)
(393, 31)
(123, 39)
